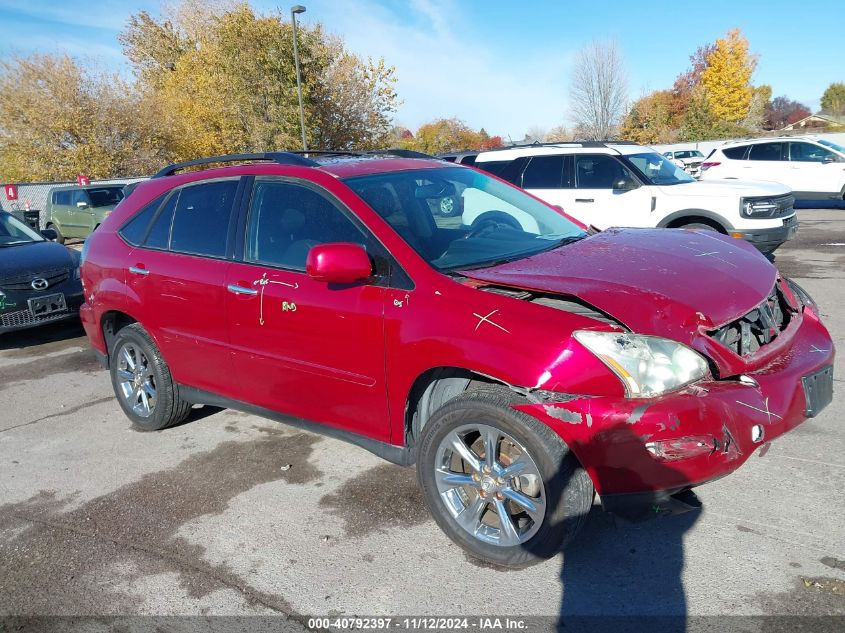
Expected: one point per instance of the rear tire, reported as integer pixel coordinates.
(142, 382)
(546, 503)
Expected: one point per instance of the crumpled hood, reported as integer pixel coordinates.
(726, 188)
(35, 258)
(664, 282)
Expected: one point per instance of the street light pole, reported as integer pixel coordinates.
(298, 8)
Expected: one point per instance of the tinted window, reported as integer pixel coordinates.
(494, 167)
(808, 153)
(543, 172)
(201, 218)
(286, 220)
(766, 151)
(61, 197)
(468, 160)
(77, 196)
(597, 171)
(135, 230)
(105, 197)
(159, 236)
(735, 153)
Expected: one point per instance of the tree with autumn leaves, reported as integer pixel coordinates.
(210, 78)
(714, 98)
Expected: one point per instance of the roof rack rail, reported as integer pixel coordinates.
(402, 153)
(324, 152)
(282, 158)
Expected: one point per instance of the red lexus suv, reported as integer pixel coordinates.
(522, 365)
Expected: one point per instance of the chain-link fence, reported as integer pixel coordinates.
(34, 196)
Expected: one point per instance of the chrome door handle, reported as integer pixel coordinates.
(138, 271)
(585, 199)
(240, 290)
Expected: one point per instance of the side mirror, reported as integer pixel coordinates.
(338, 263)
(625, 184)
(50, 234)
(829, 159)
(82, 205)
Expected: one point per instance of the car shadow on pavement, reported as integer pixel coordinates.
(626, 574)
(42, 335)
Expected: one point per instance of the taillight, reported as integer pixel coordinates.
(706, 166)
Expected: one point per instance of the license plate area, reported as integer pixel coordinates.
(818, 391)
(48, 304)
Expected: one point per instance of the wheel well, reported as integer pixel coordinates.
(435, 388)
(695, 219)
(111, 323)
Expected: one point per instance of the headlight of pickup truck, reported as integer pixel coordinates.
(648, 366)
(760, 208)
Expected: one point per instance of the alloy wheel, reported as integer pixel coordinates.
(490, 485)
(136, 380)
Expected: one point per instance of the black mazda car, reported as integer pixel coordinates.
(39, 279)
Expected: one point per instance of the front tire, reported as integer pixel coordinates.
(60, 239)
(142, 382)
(480, 460)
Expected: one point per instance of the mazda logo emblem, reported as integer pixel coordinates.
(39, 284)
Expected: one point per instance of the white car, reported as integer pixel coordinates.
(687, 159)
(627, 185)
(814, 168)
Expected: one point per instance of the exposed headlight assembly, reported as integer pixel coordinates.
(802, 295)
(648, 366)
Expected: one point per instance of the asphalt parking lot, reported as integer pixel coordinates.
(233, 514)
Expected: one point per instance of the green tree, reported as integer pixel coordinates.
(650, 119)
(727, 77)
(227, 80)
(449, 135)
(59, 120)
(833, 99)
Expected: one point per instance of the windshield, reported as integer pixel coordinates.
(657, 170)
(13, 231)
(105, 197)
(690, 153)
(458, 218)
(832, 146)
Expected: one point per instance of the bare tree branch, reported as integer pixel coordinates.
(599, 90)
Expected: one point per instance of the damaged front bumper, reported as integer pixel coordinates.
(641, 453)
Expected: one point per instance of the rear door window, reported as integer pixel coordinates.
(767, 152)
(201, 218)
(543, 172)
(61, 198)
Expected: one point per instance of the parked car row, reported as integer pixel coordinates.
(521, 361)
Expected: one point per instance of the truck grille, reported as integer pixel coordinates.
(24, 281)
(759, 327)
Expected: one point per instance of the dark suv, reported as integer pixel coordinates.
(520, 369)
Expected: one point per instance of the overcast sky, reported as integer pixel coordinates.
(503, 65)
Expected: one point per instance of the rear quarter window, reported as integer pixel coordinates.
(135, 230)
(735, 153)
